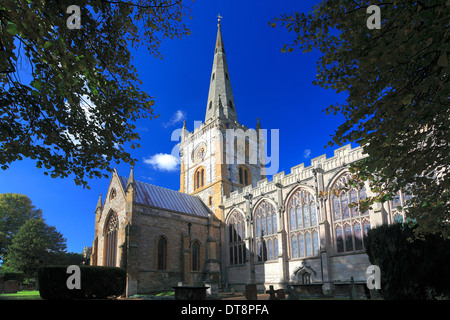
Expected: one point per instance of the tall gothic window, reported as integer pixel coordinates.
(266, 231)
(236, 238)
(303, 221)
(349, 223)
(161, 263)
(396, 205)
(112, 225)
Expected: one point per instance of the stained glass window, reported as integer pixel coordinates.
(349, 237)
(293, 218)
(313, 215)
(339, 240)
(337, 208)
(345, 209)
(306, 215)
(308, 244)
(266, 229)
(301, 245)
(294, 246)
(299, 218)
(236, 234)
(358, 236)
(316, 242)
(353, 200)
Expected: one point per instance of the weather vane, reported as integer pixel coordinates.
(219, 17)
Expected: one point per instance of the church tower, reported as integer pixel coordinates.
(221, 155)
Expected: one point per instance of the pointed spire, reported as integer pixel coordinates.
(258, 125)
(131, 179)
(220, 85)
(99, 203)
(98, 208)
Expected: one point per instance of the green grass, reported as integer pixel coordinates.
(21, 295)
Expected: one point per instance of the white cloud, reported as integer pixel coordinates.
(163, 162)
(177, 117)
(307, 153)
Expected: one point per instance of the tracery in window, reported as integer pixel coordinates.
(303, 221)
(111, 227)
(266, 231)
(348, 220)
(236, 238)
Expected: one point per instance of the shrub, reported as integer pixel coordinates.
(11, 275)
(96, 282)
(410, 269)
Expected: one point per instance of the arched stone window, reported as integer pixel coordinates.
(236, 238)
(245, 177)
(303, 222)
(161, 253)
(110, 233)
(112, 194)
(349, 223)
(396, 205)
(266, 231)
(199, 178)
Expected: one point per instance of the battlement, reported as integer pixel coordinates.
(299, 173)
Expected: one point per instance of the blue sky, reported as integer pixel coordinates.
(274, 86)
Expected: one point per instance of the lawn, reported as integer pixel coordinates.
(21, 295)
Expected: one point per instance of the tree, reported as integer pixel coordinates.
(15, 210)
(69, 96)
(397, 84)
(35, 244)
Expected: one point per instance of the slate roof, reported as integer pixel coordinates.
(160, 197)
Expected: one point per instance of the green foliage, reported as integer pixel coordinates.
(35, 244)
(397, 82)
(95, 282)
(74, 115)
(410, 268)
(12, 275)
(15, 210)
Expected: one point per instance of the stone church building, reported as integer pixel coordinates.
(228, 226)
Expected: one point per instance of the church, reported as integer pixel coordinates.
(228, 226)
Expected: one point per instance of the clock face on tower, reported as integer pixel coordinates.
(200, 154)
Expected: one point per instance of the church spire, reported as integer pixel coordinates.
(220, 85)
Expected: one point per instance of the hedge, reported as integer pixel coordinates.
(12, 275)
(410, 269)
(95, 282)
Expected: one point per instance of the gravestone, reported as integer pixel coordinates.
(272, 292)
(250, 292)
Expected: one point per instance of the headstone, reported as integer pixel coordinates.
(250, 292)
(11, 286)
(272, 292)
(280, 294)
